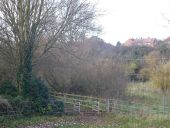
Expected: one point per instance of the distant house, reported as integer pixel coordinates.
(150, 42)
(167, 40)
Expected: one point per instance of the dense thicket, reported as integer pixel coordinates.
(29, 31)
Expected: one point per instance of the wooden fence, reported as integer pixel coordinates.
(110, 105)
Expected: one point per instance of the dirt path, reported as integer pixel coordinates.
(80, 120)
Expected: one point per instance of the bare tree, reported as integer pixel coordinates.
(27, 24)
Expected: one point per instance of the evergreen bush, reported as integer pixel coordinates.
(8, 89)
(38, 93)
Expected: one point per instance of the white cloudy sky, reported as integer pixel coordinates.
(126, 19)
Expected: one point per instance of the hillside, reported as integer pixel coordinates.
(94, 47)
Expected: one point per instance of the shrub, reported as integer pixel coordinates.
(7, 88)
(59, 106)
(4, 105)
(38, 93)
(56, 107)
(22, 105)
(35, 97)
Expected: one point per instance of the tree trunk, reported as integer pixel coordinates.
(24, 73)
(20, 78)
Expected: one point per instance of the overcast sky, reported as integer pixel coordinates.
(126, 19)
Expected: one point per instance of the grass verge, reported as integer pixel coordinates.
(106, 121)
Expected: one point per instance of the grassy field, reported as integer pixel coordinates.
(140, 94)
(146, 93)
(106, 121)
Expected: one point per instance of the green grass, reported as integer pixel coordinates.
(126, 121)
(25, 121)
(148, 97)
(106, 121)
(145, 93)
(141, 95)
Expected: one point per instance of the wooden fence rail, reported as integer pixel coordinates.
(111, 105)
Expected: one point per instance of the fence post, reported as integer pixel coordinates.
(107, 105)
(64, 98)
(77, 107)
(98, 107)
